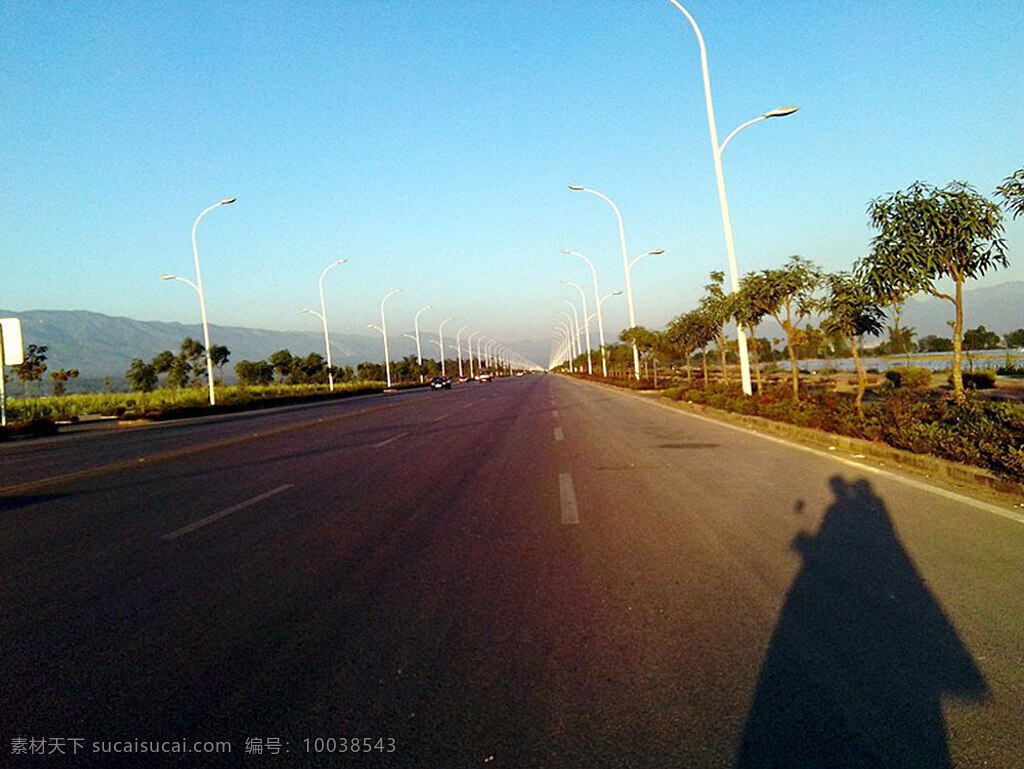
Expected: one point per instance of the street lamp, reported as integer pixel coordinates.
(440, 342)
(586, 321)
(458, 347)
(597, 301)
(384, 333)
(198, 286)
(579, 331)
(574, 335)
(323, 317)
(416, 324)
(716, 153)
(469, 348)
(625, 267)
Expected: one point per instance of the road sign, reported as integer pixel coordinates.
(12, 353)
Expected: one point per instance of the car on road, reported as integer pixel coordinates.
(441, 382)
(484, 377)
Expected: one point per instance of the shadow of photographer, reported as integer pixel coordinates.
(861, 656)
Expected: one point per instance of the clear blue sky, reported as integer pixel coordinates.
(431, 145)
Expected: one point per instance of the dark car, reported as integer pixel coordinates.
(440, 382)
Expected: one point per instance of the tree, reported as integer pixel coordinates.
(60, 379)
(932, 343)
(33, 366)
(1015, 338)
(1012, 193)
(254, 373)
(219, 355)
(850, 311)
(142, 376)
(926, 234)
(690, 332)
(980, 338)
(749, 315)
(787, 294)
(281, 362)
(370, 372)
(193, 353)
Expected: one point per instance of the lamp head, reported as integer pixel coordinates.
(304, 309)
(781, 111)
(617, 293)
(228, 201)
(168, 277)
(657, 252)
(576, 187)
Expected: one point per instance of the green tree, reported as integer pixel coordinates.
(33, 365)
(254, 373)
(749, 314)
(926, 234)
(787, 295)
(689, 333)
(219, 355)
(980, 338)
(850, 311)
(718, 306)
(142, 376)
(1012, 193)
(60, 379)
(281, 361)
(1015, 338)
(370, 372)
(932, 343)
(194, 354)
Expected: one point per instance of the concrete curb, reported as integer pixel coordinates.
(920, 463)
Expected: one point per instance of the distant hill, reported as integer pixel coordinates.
(998, 308)
(100, 345)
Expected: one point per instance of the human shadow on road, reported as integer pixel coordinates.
(861, 656)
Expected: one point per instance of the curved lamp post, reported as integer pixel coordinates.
(625, 267)
(198, 286)
(586, 321)
(440, 342)
(458, 347)
(597, 301)
(384, 333)
(469, 349)
(716, 152)
(323, 317)
(416, 325)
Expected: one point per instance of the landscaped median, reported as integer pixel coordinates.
(40, 416)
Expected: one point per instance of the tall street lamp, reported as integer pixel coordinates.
(586, 321)
(440, 342)
(576, 319)
(469, 350)
(384, 333)
(198, 286)
(625, 267)
(597, 301)
(458, 347)
(416, 325)
(323, 317)
(716, 153)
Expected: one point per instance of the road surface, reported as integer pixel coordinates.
(534, 572)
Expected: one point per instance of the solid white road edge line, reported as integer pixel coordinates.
(224, 513)
(920, 485)
(567, 498)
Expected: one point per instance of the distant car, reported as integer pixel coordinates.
(484, 377)
(440, 382)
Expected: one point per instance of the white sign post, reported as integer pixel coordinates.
(11, 354)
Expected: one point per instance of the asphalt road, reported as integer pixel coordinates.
(529, 573)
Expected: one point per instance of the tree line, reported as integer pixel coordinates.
(924, 235)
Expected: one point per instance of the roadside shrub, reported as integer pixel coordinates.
(909, 376)
(1010, 369)
(977, 380)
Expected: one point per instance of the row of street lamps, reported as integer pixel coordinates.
(489, 352)
(716, 152)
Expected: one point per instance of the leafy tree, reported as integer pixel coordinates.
(690, 332)
(281, 362)
(370, 372)
(927, 234)
(142, 376)
(1015, 338)
(219, 355)
(194, 355)
(718, 307)
(932, 343)
(33, 366)
(254, 373)
(1012, 193)
(749, 314)
(178, 373)
(850, 311)
(901, 340)
(60, 379)
(786, 294)
(980, 338)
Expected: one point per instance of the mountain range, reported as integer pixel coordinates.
(100, 345)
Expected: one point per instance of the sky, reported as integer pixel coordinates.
(431, 144)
